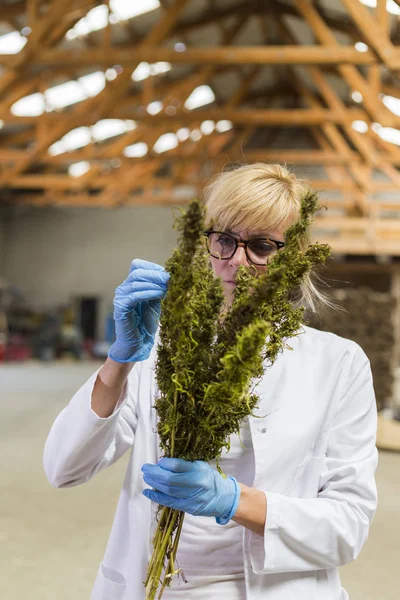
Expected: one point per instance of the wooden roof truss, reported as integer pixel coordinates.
(328, 90)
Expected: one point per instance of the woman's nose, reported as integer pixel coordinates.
(239, 258)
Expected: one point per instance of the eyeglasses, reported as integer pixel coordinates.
(223, 246)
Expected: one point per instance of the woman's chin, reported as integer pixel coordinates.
(229, 293)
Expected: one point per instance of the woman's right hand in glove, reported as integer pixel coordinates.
(137, 304)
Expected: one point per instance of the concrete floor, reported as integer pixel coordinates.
(51, 541)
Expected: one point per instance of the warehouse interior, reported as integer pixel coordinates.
(113, 116)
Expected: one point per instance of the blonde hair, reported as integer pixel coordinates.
(258, 196)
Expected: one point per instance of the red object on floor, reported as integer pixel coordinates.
(17, 349)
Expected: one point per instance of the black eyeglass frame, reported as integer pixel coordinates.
(244, 243)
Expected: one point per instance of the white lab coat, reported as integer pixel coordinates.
(315, 459)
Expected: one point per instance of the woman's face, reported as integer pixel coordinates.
(227, 269)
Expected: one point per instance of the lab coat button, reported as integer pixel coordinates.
(263, 430)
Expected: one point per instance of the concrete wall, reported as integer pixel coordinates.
(54, 255)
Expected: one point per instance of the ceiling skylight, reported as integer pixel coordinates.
(361, 47)
(96, 19)
(391, 6)
(357, 96)
(393, 104)
(108, 128)
(167, 141)
(78, 169)
(136, 150)
(12, 43)
(29, 106)
(56, 148)
(76, 138)
(141, 72)
(127, 10)
(60, 96)
(223, 126)
(207, 127)
(65, 94)
(195, 135)
(145, 70)
(199, 97)
(93, 83)
(183, 134)
(154, 107)
(82, 136)
(389, 134)
(120, 10)
(360, 126)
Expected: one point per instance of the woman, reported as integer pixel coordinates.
(301, 492)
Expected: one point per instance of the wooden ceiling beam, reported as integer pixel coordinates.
(271, 117)
(331, 132)
(350, 74)
(356, 224)
(106, 99)
(359, 246)
(163, 191)
(372, 31)
(390, 90)
(20, 60)
(230, 55)
(382, 16)
(68, 21)
(332, 117)
(64, 182)
(374, 79)
(136, 177)
(215, 142)
(12, 11)
(262, 7)
(337, 22)
(179, 91)
(19, 82)
(298, 157)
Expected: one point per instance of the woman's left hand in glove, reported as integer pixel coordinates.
(193, 487)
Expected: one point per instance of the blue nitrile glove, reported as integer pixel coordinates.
(193, 487)
(137, 303)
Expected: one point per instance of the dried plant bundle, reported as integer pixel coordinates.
(210, 358)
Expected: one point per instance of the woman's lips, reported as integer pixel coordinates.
(231, 282)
